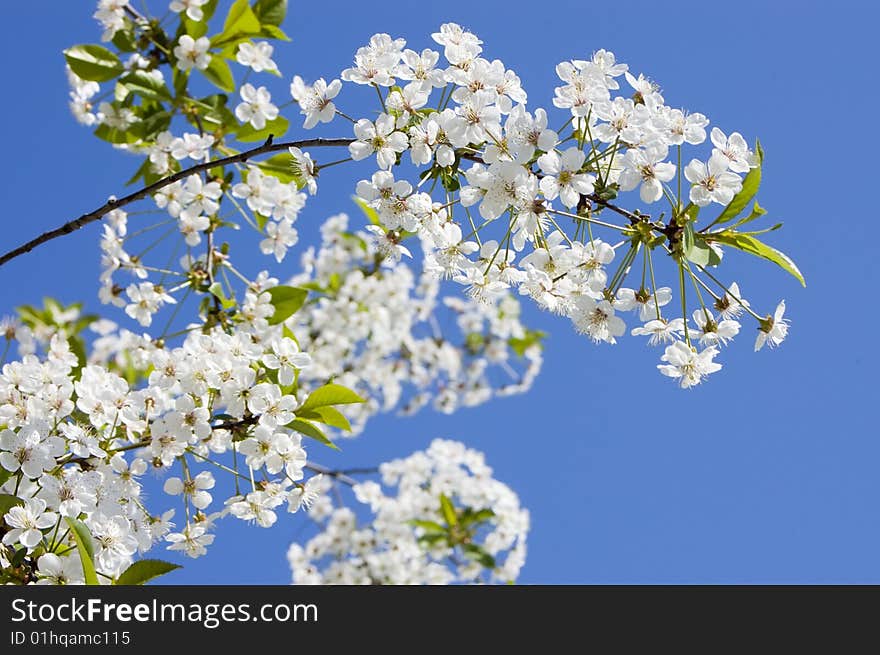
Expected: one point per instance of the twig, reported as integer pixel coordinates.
(338, 475)
(114, 203)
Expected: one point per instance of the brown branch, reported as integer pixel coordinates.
(336, 475)
(114, 203)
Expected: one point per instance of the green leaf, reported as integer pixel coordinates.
(145, 570)
(146, 86)
(86, 548)
(270, 12)
(432, 538)
(247, 133)
(470, 516)
(216, 289)
(78, 348)
(241, 18)
(700, 253)
(696, 249)
(448, 511)
(139, 173)
(273, 32)
(750, 186)
(179, 80)
(311, 430)
(520, 345)
(196, 29)
(369, 212)
(326, 415)
(428, 526)
(112, 135)
(124, 40)
(120, 91)
(753, 246)
(757, 212)
(153, 122)
(287, 301)
(330, 394)
(93, 62)
(219, 74)
(240, 23)
(280, 166)
(687, 238)
(772, 228)
(479, 554)
(219, 113)
(8, 501)
(208, 10)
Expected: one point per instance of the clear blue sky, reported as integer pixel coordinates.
(768, 473)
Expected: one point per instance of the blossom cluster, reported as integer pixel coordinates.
(438, 517)
(522, 172)
(76, 438)
(499, 201)
(376, 328)
(486, 155)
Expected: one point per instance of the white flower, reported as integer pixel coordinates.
(191, 228)
(660, 330)
(773, 329)
(380, 138)
(192, 541)
(256, 507)
(712, 181)
(286, 358)
(304, 169)
(734, 147)
(646, 167)
(194, 488)
(731, 304)
(111, 14)
(315, 101)
(258, 56)
(376, 62)
(193, 8)
(420, 69)
(279, 237)
(25, 450)
(146, 299)
(198, 197)
(114, 542)
(387, 242)
(27, 522)
(686, 364)
(597, 320)
(192, 53)
(562, 177)
(303, 495)
(191, 145)
(715, 332)
(256, 107)
(55, 570)
(646, 302)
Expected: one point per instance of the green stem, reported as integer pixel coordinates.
(681, 288)
(653, 282)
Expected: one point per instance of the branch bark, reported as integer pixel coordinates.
(267, 147)
(114, 203)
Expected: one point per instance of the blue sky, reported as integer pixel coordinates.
(767, 473)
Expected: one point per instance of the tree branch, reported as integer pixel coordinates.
(338, 475)
(114, 203)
